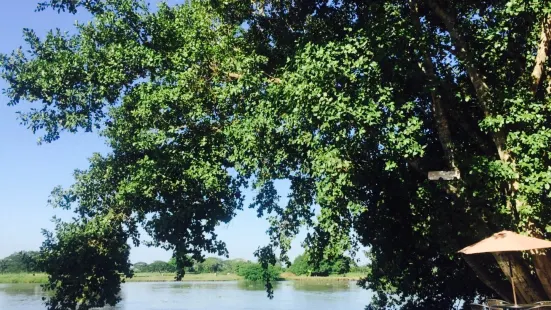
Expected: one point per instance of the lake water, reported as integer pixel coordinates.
(288, 295)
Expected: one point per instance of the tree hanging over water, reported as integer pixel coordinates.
(352, 101)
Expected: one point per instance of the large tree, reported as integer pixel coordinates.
(352, 101)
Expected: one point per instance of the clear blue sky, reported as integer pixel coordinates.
(28, 172)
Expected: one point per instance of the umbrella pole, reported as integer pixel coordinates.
(512, 282)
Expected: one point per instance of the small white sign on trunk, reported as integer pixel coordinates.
(444, 175)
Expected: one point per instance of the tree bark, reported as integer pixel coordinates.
(543, 271)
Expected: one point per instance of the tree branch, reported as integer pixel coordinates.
(462, 52)
(234, 75)
(237, 76)
(442, 126)
(481, 88)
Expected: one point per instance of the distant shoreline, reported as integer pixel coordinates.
(40, 278)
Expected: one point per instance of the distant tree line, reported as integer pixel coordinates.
(22, 261)
(302, 265)
(209, 265)
(28, 261)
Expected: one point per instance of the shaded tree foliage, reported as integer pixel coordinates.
(352, 101)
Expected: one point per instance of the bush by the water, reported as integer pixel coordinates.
(303, 266)
(255, 272)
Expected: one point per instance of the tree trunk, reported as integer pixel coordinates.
(542, 261)
(444, 134)
(542, 264)
(541, 56)
(528, 290)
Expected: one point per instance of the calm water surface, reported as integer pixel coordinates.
(289, 295)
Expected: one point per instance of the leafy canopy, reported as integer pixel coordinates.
(352, 101)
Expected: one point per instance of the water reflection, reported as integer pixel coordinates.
(322, 286)
(289, 295)
(21, 289)
(253, 286)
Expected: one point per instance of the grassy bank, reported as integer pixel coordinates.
(168, 277)
(23, 278)
(138, 277)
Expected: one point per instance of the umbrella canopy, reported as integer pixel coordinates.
(506, 241)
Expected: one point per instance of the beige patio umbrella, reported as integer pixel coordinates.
(507, 241)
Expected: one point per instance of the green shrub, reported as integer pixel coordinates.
(254, 272)
(303, 266)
